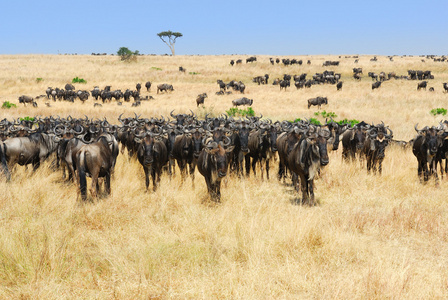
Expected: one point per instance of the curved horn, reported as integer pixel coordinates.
(171, 114)
(228, 141)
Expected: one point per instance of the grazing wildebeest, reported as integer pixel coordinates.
(431, 89)
(284, 84)
(376, 85)
(83, 95)
(69, 87)
(425, 147)
(31, 149)
(26, 99)
(251, 59)
(148, 86)
(375, 145)
(242, 101)
(212, 164)
(317, 101)
(94, 160)
(201, 98)
(307, 157)
(422, 85)
(181, 69)
(164, 87)
(152, 155)
(339, 85)
(239, 61)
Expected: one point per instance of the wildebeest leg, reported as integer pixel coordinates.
(304, 187)
(154, 179)
(36, 164)
(146, 177)
(311, 192)
(254, 164)
(192, 168)
(247, 158)
(107, 183)
(267, 169)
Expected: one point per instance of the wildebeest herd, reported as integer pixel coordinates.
(87, 147)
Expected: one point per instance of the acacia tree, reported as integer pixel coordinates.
(171, 36)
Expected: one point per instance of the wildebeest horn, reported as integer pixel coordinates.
(138, 134)
(193, 115)
(228, 141)
(390, 135)
(82, 138)
(416, 129)
(324, 133)
(64, 129)
(171, 114)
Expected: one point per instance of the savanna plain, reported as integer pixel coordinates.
(369, 237)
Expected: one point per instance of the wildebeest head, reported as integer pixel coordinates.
(379, 139)
(218, 151)
(146, 148)
(197, 136)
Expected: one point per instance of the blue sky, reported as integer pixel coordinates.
(226, 27)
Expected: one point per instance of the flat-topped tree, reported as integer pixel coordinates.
(169, 38)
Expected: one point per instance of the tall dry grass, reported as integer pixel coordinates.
(369, 237)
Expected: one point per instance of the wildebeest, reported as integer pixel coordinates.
(181, 69)
(152, 155)
(31, 149)
(164, 87)
(422, 85)
(213, 164)
(94, 160)
(138, 87)
(339, 86)
(26, 99)
(69, 87)
(376, 85)
(445, 87)
(242, 101)
(262, 146)
(232, 62)
(375, 145)
(431, 89)
(222, 85)
(353, 140)
(425, 147)
(317, 101)
(201, 98)
(3, 163)
(251, 59)
(307, 157)
(284, 84)
(148, 86)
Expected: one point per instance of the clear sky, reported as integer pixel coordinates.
(213, 27)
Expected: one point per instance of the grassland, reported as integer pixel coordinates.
(371, 237)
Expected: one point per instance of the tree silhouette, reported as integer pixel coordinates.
(171, 36)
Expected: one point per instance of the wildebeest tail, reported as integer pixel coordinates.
(3, 164)
(81, 166)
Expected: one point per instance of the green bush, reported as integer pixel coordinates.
(346, 121)
(438, 111)
(194, 73)
(325, 114)
(157, 69)
(39, 79)
(8, 105)
(78, 80)
(235, 112)
(27, 119)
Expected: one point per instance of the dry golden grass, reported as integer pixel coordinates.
(371, 236)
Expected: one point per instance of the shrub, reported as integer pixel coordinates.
(157, 69)
(194, 73)
(346, 121)
(325, 114)
(8, 105)
(78, 80)
(27, 119)
(313, 121)
(39, 79)
(438, 111)
(127, 55)
(233, 111)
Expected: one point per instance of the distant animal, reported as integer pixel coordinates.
(317, 101)
(181, 69)
(445, 87)
(200, 99)
(242, 101)
(376, 85)
(251, 59)
(422, 85)
(138, 87)
(97, 105)
(26, 99)
(339, 85)
(284, 84)
(431, 89)
(136, 103)
(164, 87)
(232, 62)
(239, 61)
(148, 86)
(69, 87)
